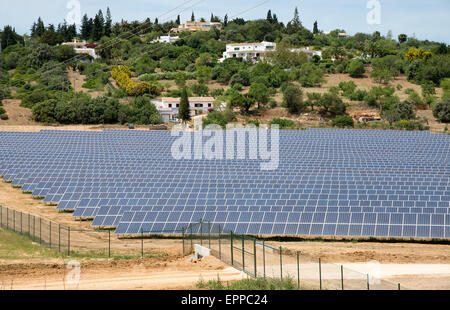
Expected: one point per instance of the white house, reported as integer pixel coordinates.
(309, 52)
(166, 39)
(168, 107)
(83, 48)
(248, 51)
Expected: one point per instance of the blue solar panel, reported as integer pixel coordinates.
(329, 182)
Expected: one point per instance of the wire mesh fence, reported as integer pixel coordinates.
(76, 242)
(258, 259)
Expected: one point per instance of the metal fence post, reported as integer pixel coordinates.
(342, 277)
(21, 223)
(68, 241)
(59, 238)
(192, 246)
(281, 263)
(50, 234)
(254, 252)
(14, 220)
(220, 246)
(209, 234)
(7, 218)
(243, 253)
(264, 258)
(29, 225)
(231, 243)
(1, 216)
(320, 273)
(40, 230)
(368, 285)
(399, 286)
(182, 236)
(298, 269)
(142, 243)
(109, 243)
(201, 232)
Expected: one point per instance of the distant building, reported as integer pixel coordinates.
(248, 51)
(340, 34)
(196, 26)
(168, 107)
(309, 52)
(83, 48)
(166, 39)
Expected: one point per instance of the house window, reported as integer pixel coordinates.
(178, 105)
(170, 105)
(199, 105)
(236, 48)
(209, 105)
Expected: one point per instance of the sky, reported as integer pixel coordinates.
(423, 19)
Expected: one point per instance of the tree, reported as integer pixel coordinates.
(293, 99)
(402, 38)
(428, 89)
(260, 93)
(441, 110)
(108, 23)
(178, 21)
(382, 75)
(315, 28)
(180, 79)
(192, 17)
(184, 112)
(313, 100)
(9, 37)
(203, 74)
(356, 69)
(99, 26)
(400, 111)
(86, 27)
(331, 103)
(225, 20)
(296, 20)
(244, 102)
(269, 16)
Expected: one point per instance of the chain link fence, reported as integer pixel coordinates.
(76, 242)
(258, 259)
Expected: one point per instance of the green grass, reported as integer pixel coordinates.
(16, 246)
(250, 284)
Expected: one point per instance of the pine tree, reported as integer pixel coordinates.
(156, 21)
(296, 20)
(192, 17)
(316, 28)
(184, 112)
(40, 28)
(269, 17)
(108, 23)
(85, 28)
(178, 20)
(99, 26)
(275, 18)
(225, 20)
(212, 18)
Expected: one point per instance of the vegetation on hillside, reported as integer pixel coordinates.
(37, 68)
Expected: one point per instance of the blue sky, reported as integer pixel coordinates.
(425, 19)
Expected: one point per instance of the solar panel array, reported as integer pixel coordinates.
(328, 182)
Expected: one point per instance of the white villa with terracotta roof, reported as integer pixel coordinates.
(168, 107)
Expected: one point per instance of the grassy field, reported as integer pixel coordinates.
(16, 246)
(250, 284)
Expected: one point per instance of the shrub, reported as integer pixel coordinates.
(121, 74)
(348, 88)
(408, 125)
(400, 111)
(356, 68)
(4, 116)
(331, 103)
(293, 99)
(217, 92)
(217, 118)
(428, 88)
(200, 89)
(343, 121)
(358, 95)
(283, 123)
(441, 110)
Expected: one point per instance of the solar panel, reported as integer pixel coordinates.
(329, 182)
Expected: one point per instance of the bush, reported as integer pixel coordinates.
(356, 69)
(400, 111)
(200, 89)
(293, 99)
(408, 125)
(121, 74)
(348, 88)
(441, 110)
(343, 121)
(331, 103)
(283, 123)
(217, 118)
(358, 95)
(4, 117)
